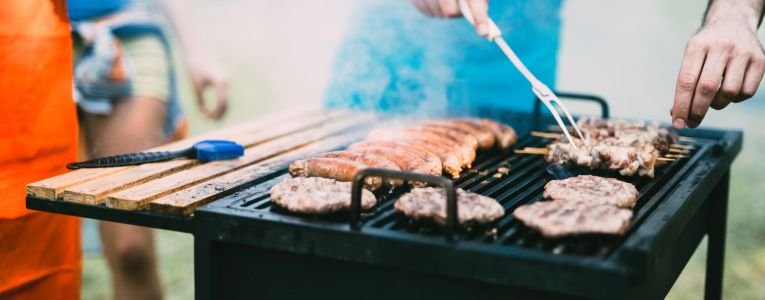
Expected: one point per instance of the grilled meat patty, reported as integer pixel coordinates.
(334, 168)
(561, 218)
(593, 189)
(430, 203)
(315, 195)
(370, 160)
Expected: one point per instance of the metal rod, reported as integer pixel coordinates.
(448, 185)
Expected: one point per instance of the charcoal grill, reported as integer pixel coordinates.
(245, 247)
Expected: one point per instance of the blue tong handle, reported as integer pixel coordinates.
(208, 150)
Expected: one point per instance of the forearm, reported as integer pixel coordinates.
(749, 11)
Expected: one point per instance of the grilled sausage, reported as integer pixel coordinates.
(432, 164)
(485, 138)
(334, 168)
(369, 159)
(407, 161)
(461, 138)
(446, 147)
(505, 135)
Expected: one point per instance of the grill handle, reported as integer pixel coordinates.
(451, 194)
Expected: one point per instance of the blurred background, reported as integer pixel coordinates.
(278, 54)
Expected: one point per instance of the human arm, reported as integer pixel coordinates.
(203, 70)
(451, 9)
(723, 63)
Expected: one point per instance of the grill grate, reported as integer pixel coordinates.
(521, 185)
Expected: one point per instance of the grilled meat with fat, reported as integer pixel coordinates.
(430, 203)
(315, 195)
(333, 168)
(629, 132)
(561, 218)
(593, 189)
(605, 155)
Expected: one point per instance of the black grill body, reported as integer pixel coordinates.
(245, 247)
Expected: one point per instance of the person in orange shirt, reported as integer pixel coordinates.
(40, 255)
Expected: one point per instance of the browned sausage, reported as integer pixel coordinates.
(407, 161)
(369, 159)
(432, 162)
(457, 136)
(464, 153)
(334, 168)
(505, 135)
(485, 138)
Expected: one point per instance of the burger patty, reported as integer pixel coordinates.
(315, 195)
(561, 218)
(430, 203)
(593, 189)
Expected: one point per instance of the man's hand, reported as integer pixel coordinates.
(723, 63)
(207, 74)
(451, 9)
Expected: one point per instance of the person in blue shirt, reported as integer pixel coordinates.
(395, 59)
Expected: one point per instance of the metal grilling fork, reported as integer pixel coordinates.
(538, 87)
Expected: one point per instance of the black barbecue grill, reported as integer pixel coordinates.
(247, 248)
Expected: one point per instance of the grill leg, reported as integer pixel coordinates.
(716, 239)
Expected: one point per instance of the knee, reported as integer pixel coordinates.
(134, 258)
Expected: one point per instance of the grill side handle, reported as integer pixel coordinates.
(451, 194)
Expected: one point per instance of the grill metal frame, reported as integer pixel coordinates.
(684, 205)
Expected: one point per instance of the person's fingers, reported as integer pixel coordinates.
(221, 103)
(449, 8)
(480, 9)
(435, 8)
(687, 78)
(732, 82)
(422, 7)
(752, 77)
(706, 89)
(199, 92)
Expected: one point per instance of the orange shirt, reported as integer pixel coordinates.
(40, 253)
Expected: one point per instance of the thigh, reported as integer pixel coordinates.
(134, 125)
(124, 238)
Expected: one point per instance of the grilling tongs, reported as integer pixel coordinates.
(540, 89)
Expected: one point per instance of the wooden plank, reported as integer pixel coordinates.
(139, 197)
(53, 188)
(184, 202)
(95, 191)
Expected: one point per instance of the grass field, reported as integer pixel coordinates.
(278, 55)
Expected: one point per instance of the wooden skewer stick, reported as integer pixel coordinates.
(687, 139)
(546, 135)
(527, 150)
(681, 151)
(690, 147)
(675, 156)
(664, 159)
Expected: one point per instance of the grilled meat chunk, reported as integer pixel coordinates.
(605, 155)
(629, 133)
(315, 195)
(334, 168)
(430, 203)
(561, 218)
(407, 157)
(370, 160)
(593, 189)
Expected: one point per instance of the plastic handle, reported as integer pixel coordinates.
(217, 150)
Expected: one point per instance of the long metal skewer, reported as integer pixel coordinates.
(541, 90)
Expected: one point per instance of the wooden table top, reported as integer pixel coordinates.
(179, 186)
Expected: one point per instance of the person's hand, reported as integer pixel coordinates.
(451, 9)
(723, 63)
(207, 74)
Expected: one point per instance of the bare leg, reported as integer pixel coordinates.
(134, 125)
